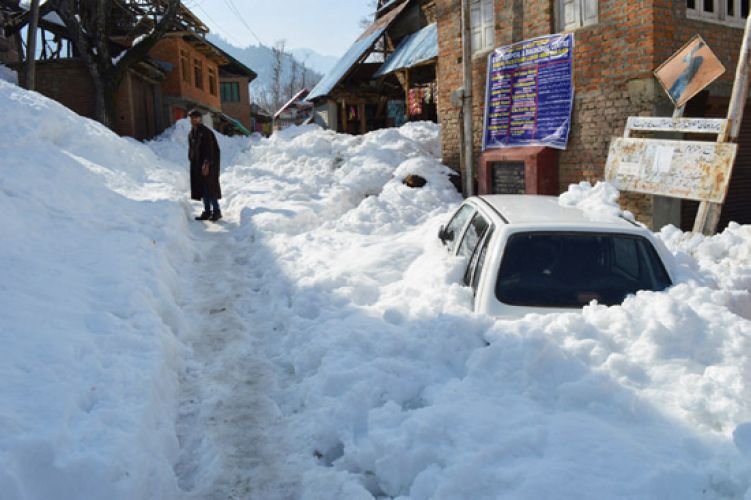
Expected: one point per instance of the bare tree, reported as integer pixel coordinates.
(366, 21)
(277, 73)
(304, 72)
(293, 81)
(90, 24)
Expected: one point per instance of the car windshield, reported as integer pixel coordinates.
(572, 269)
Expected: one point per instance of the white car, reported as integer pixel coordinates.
(528, 254)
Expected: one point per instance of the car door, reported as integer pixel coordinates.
(474, 247)
(472, 236)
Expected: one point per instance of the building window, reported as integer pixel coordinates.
(212, 81)
(185, 65)
(230, 92)
(483, 25)
(730, 12)
(574, 14)
(198, 70)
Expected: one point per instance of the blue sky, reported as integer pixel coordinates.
(327, 26)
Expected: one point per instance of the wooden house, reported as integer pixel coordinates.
(387, 77)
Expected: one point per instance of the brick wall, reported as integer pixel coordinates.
(613, 65)
(66, 81)
(168, 50)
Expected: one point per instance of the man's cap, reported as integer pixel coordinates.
(195, 112)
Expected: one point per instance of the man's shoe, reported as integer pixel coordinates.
(204, 216)
(216, 216)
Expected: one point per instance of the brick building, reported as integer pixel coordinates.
(234, 92)
(617, 47)
(183, 71)
(194, 80)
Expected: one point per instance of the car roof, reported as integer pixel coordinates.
(535, 209)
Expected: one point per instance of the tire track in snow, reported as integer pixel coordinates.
(232, 436)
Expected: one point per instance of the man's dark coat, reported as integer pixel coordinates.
(204, 148)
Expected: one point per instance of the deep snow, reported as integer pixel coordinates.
(316, 344)
(8, 75)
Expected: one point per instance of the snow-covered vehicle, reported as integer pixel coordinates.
(530, 254)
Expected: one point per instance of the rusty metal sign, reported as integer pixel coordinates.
(679, 169)
(689, 71)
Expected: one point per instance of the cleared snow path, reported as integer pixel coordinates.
(231, 434)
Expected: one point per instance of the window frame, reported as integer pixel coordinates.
(213, 90)
(473, 273)
(484, 25)
(480, 236)
(230, 92)
(720, 14)
(185, 65)
(580, 19)
(452, 244)
(198, 73)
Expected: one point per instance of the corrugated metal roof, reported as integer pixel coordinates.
(387, 5)
(354, 54)
(342, 67)
(418, 47)
(300, 96)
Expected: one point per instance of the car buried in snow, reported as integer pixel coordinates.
(528, 254)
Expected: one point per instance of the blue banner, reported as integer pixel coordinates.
(530, 93)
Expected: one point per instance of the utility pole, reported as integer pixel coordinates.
(468, 135)
(709, 213)
(31, 46)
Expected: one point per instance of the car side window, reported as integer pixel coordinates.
(471, 275)
(473, 235)
(454, 229)
(481, 254)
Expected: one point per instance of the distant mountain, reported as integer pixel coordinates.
(260, 59)
(314, 60)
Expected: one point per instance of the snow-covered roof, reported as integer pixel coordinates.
(354, 54)
(526, 209)
(295, 101)
(342, 67)
(417, 48)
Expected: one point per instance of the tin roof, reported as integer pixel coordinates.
(294, 101)
(355, 53)
(417, 48)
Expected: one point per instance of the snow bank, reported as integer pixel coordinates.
(598, 202)
(172, 145)
(391, 386)
(8, 75)
(375, 377)
(92, 240)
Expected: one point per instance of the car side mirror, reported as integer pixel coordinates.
(445, 234)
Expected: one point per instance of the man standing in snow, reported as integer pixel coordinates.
(205, 160)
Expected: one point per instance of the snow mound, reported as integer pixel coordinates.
(396, 389)
(598, 202)
(723, 259)
(372, 377)
(8, 75)
(172, 144)
(353, 183)
(89, 360)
